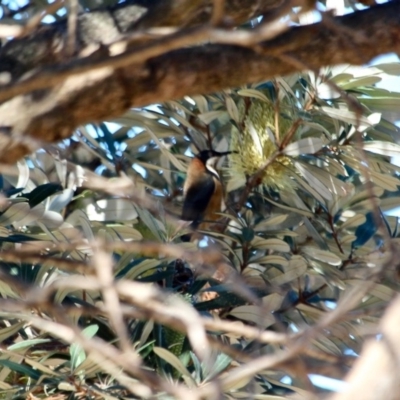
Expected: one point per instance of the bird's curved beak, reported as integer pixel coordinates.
(223, 153)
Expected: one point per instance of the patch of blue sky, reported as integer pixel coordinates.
(323, 382)
(330, 304)
(140, 170)
(16, 4)
(350, 352)
(112, 126)
(203, 242)
(334, 385)
(287, 380)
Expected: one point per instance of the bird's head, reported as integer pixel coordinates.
(210, 158)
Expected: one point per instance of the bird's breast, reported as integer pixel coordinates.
(214, 205)
(196, 173)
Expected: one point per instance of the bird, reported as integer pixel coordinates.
(202, 191)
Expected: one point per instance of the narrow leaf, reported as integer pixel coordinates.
(173, 360)
(322, 255)
(304, 146)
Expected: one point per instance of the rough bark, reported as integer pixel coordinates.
(105, 26)
(61, 95)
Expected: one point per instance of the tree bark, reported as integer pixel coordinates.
(50, 103)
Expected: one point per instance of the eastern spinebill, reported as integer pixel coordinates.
(202, 190)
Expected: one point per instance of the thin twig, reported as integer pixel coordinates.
(73, 7)
(277, 115)
(103, 264)
(218, 12)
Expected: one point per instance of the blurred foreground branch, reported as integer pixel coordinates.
(375, 374)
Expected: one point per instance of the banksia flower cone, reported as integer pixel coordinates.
(255, 144)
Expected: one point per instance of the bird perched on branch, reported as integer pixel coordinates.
(202, 190)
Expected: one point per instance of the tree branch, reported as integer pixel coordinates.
(50, 104)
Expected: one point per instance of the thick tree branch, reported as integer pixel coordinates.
(102, 86)
(105, 26)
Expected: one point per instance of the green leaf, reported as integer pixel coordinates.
(232, 109)
(173, 360)
(346, 116)
(5, 333)
(221, 363)
(141, 268)
(382, 148)
(174, 161)
(40, 367)
(20, 368)
(270, 244)
(390, 68)
(210, 116)
(333, 184)
(363, 81)
(306, 213)
(385, 181)
(388, 104)
(14, 213)
(296, 268)
(253, 93)
(201, 103)
(27, 343)
(271, 259)
(322, 255)
(253, 314)
(313, 181)
(353, 222)
(151, 223)
(271, 222)
(304, 146)
(76, 352)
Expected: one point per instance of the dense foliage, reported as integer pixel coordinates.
(304, 231)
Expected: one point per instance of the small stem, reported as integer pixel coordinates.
(217, 15)
(276, 112)
(289, 136)
(334, 233)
